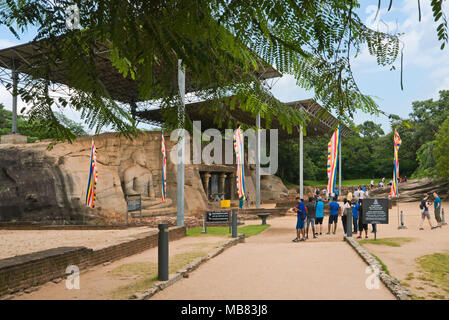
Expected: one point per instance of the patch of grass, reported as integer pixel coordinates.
(405, 284)
(392, 242)
(410, 276)
(250, 230)
(134, 269)
(437, 296)
(146, 273)
(415, 297)
(423, 278)
(353, 182)
(419, 288)
(180, 260)
(436, 269)
(202, 245)
(384, 266)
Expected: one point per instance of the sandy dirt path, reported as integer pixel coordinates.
(100, 282)
(270, 266)
(18, 242)
(401, 261)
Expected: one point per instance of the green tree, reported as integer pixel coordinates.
(442, 150)
(34, 130)
(426, 161)
(371, 130)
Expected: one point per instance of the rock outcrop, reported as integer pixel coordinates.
(414, 190)
(37, 184)
(272, 188)
(41, 185)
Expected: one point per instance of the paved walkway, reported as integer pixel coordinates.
(270, 266)
(267, 266)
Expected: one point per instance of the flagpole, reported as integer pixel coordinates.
(180, 180)
(394, 177)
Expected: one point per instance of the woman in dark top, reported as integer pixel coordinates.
(362, 226)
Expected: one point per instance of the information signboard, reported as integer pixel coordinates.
(375, 211)
(218, 216)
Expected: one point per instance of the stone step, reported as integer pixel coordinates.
(155, 212)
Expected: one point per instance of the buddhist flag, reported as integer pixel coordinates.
(397, 143)
(164, 168)
(93, 177)
(332, 160)
(239, 156)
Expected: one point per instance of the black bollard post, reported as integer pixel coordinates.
(234, 224)
(443, 220)
(163, 252)
(349, 224)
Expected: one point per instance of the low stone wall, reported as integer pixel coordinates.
(173, 278)
(29, 270)
(393, 284)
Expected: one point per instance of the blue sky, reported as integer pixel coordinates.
(426, 67)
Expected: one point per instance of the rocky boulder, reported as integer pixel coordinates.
(272, 188)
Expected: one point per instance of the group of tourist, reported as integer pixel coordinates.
(310, 215)
(424, 206)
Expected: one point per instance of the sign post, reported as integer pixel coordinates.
(133, 203)
(375, 211)
(217, 217)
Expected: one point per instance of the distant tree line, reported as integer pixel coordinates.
(34, 130)
(368, 151)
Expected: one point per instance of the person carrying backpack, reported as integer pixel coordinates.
(424, 206)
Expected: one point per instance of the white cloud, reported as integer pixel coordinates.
(286, 90)
(6, 100)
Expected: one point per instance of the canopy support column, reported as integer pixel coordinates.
(180, 181)
(301, 163)
(258, 161)
(15, 81)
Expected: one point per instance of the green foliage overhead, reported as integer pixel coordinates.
(219, 42)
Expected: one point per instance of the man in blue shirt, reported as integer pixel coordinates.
(355, 214)
(333, 217)
(437, 208)
(319, 209)
(301, 216)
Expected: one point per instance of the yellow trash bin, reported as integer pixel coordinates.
(225, 203)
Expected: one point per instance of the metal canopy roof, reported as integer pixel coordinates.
(121, 89)
(320, 120)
